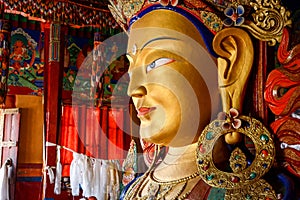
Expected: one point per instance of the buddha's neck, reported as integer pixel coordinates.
(179, 162)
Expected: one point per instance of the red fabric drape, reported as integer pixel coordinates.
(96, 132)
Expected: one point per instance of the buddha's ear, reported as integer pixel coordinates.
(235, 50)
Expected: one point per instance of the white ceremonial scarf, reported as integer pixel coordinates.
(87, 175)
(76, 169)
(104, 174)
(4, 183)
(96, 187)
(57, 186)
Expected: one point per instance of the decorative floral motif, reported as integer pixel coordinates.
(168, 2)
(234, 16)
(231, 120)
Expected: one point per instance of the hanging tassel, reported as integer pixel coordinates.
(57, 186)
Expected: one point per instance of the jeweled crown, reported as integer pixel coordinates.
(264, 19)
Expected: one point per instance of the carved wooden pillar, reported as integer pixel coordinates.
(54, 46)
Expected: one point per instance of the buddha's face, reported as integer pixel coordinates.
(171, 96)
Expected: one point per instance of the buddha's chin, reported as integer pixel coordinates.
(155, 137)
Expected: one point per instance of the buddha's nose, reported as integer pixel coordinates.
(137, 82)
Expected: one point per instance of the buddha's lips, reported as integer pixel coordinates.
(145, 110)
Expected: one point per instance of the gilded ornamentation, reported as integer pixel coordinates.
(269, 20)
(117, 14)
(132, 7)
(158, 189)
(256, 191)
(266, 24)
(265, 155)
(238, 160)
(212, 21)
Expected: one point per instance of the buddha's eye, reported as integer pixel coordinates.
(157, 63)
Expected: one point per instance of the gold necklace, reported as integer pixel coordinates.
(157, 189)
(154, 179)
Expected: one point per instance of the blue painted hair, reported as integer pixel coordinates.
(206, 34)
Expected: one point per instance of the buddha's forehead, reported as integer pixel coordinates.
(161, 24)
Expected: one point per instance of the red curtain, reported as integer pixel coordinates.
(97, 132)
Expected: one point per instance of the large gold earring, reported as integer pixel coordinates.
(244, 181)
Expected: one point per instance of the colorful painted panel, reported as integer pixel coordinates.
(111, 66)
(111, 83)
(76, 51)
(92, 74)
(26, 67)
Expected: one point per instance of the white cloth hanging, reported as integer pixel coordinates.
(104, 173)
(4, 181)
(87, 177)
(57, 185)
(76, 168)
(50, 174)
(96, 187)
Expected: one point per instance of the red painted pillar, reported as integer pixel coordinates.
(4, 58)
(54, 50)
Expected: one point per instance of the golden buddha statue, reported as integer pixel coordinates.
(168, 93)
(184, 71)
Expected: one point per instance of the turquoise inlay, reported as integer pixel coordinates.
(209, 135)
(216, 194)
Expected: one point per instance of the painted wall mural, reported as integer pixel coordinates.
(76, 51)
(92, 70)
(26, 67)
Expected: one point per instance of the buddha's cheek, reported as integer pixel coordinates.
(175, 120)
(161, 125)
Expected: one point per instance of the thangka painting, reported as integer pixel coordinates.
(112, 87)
(76, 51)
(26, 67)
(92, 71)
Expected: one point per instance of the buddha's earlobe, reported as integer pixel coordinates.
(235, 48)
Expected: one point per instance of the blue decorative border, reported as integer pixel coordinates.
(29, 179)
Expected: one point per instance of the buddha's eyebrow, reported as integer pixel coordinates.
(158, 38)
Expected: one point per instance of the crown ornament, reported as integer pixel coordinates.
(264, 19)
